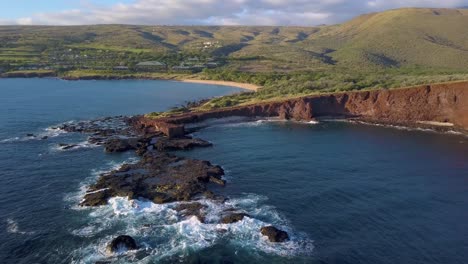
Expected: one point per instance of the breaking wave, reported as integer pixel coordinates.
(75, 197)
(72, 147)
(163, 233)
(49, 132)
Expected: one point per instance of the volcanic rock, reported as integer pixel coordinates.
(123, 242)
(274, 234)
(192, 209)
(185, 143)
(233, 218)
(67, 146)
(159, 177)
(121, 144)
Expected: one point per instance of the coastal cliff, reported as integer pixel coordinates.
(439, 105)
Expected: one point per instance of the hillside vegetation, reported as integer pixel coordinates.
(389, 49)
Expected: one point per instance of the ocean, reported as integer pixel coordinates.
(345, 193)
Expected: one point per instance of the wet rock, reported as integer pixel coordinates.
(96, 198)
(44, 137)
(30, 135)
(122, 243)
(233, 218)
(192, 209)
(274, 234)
(159, 177)
(185, 143)
(215, 197)
(67, 146)
(121, 144)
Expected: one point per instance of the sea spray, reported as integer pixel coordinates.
(165, 233)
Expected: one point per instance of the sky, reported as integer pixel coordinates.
(199, 12)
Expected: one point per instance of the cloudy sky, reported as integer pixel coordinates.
(199, 12)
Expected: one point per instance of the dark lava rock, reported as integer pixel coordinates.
(67, 146)
(185, 143)
(189, 209)
(123, 242)
(233, 218)
(274, 234)
(120, 144)
(159, 177)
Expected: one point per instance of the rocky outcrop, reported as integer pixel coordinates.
(192, 209)
(443, 103)
(121, 144)
(274, 234)
(159, 177)
(121, 243)
(233, 218)
(183, 143)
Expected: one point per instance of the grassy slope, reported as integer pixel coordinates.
(394, 48)
(427, 37)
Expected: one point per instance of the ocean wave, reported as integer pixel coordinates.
(13, 228)
(164, 233)
(399, 127)
(49, 132)
(75, 197)
(72, 147)
(265, 121)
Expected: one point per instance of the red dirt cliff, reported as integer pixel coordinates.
(445, 103)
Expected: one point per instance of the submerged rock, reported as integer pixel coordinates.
(274, 234)
(30, 135)
(121, 243)
(233, 218)
(67, 146)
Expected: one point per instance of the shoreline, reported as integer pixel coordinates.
(246, 86)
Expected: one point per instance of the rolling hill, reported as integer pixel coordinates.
(433, 38)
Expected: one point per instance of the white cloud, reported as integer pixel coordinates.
(233, 12)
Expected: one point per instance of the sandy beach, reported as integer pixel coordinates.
(246, 86)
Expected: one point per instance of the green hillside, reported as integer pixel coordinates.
(382, 50)
(427, 37)
(395, 38)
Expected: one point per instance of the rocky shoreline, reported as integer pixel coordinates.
(161, 177)
(158, 176)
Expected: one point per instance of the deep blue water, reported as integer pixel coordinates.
(346, 193)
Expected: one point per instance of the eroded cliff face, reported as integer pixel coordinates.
(443, 103)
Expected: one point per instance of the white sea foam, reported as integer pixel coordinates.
(49, 132)
(164, 233)
(13, 228)
(451, 132)
(75, 197)
(80, 145)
